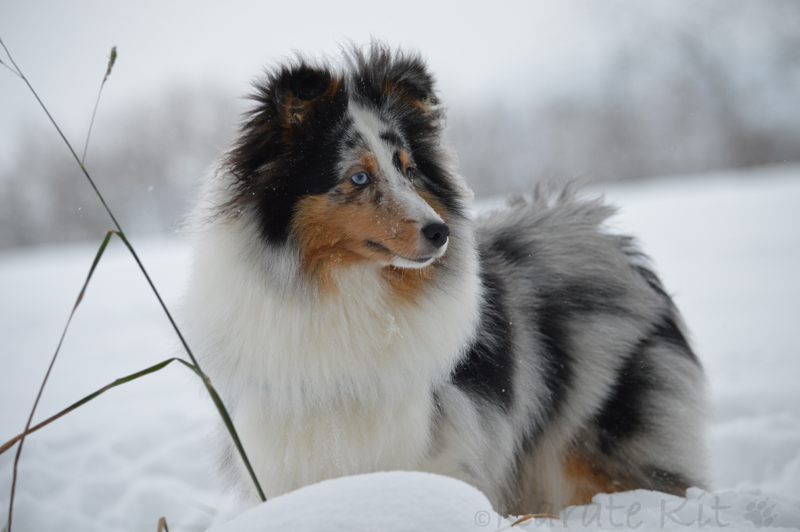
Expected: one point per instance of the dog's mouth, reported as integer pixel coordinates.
(396, 259)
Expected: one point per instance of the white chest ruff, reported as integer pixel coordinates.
(322, 386)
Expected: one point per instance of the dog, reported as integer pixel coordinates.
(356, 317)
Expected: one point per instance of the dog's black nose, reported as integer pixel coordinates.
(436, 233)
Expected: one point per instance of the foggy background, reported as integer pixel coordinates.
(594, 91)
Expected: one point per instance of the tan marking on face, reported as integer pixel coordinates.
(369, 164)
(334, 233)
(587, 480)
(323, 238)
(405, 160)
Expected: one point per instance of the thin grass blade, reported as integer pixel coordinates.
(232, 430)
(99, 254)
(16, 74)
(111, 60)
(528, 517)
(152, 369)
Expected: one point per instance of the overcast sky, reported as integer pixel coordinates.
(476, 49)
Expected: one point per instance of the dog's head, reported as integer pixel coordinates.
(347, 164)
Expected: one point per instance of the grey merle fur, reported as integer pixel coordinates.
(563, 298)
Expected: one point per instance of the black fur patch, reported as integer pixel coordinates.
(288, 145)
(667, 331)
(556, 308)
(396, 161)
(509, 246)
(590, 296)
(621, 414)
(628, 246)
(277, 198)
(652, 280)
(488, 367)
(553, 338)
(392, 139)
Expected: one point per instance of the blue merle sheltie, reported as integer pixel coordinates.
(356, 317)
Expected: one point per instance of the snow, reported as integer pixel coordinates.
(397, 500)
(727, 246)
(401, 501)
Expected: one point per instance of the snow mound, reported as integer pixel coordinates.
(392, 501)
(401, 501)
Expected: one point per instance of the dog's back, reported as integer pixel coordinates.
(581, 375)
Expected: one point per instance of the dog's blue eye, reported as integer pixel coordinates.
(360, 179)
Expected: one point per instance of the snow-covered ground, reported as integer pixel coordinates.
(727, 246)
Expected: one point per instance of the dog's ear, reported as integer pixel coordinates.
(409, 81)
(308, 98)
(297, 104)
(382, 76)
